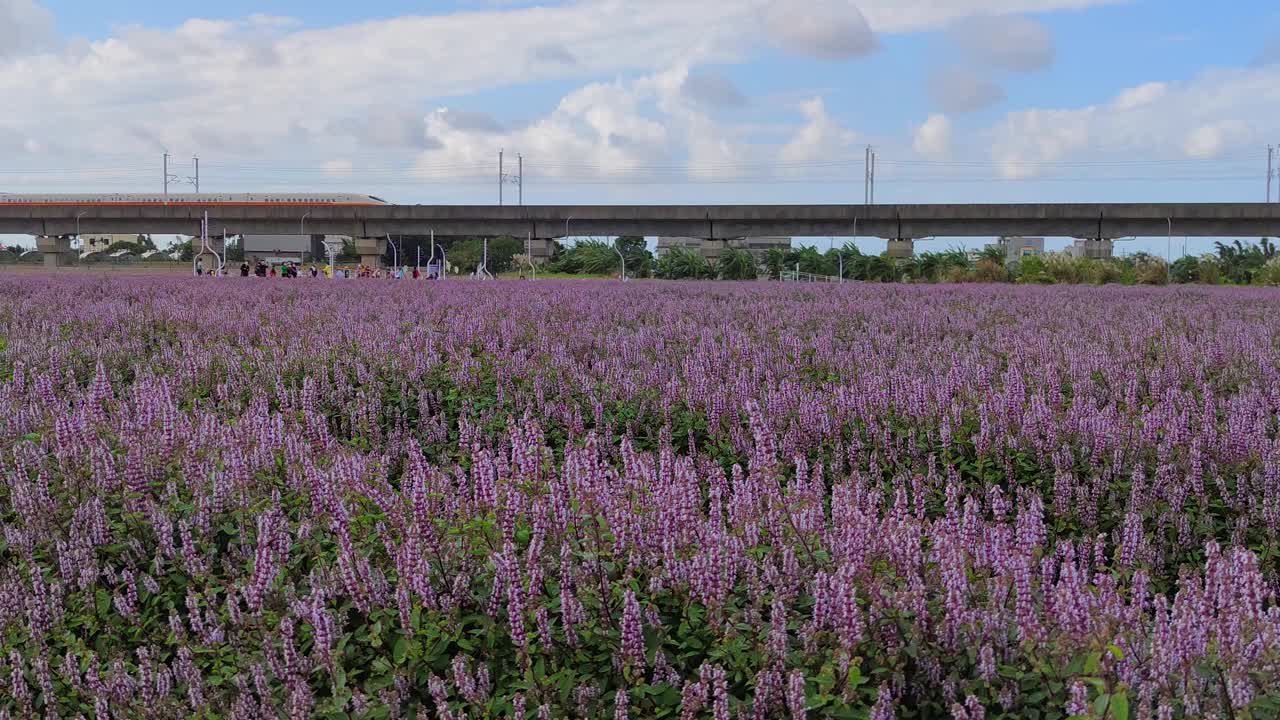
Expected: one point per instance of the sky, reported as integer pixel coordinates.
(652, 101)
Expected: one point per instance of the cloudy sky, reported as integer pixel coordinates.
(650, 101)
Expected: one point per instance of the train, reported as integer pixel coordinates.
(197, 199)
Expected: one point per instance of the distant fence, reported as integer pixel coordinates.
(797, 276)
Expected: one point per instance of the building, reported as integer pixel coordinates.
(99, 243)
(1016, 248)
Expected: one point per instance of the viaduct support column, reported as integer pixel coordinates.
(209, 251)
(56, 250)
(371, 250)
(1096, 248)
(901, 248)
(540, 250)
(713, 248)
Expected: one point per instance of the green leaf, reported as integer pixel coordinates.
(1116, 652)
(1120, 706)
(1092, 662)
(400, 649)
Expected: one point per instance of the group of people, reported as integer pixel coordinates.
(290, 269)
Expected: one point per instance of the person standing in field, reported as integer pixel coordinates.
(244, 268)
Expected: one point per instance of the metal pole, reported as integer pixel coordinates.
(431, 259)
(520, 182)
(866, 176)
(196, 158)
(873, 176)
(303, 231)
(166, 178)
(501, 178)
(621, 257)
(1168, 251)
(1271, 151)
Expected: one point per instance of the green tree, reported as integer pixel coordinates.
(636, 251)
(775, 259)
(684, 264)
(737, 264)
(1186, 269)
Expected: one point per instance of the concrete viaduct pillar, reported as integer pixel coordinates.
(56, 250)
(1096, 248)
(208, 251)
(901, 248)
(371, 250)
(540, 250)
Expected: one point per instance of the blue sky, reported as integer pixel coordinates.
(612, 101)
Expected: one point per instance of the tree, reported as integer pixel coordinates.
(737, 264)
(182, 249)
(775, 259)
(636, 251)
(592, 257)
(684, 264)
(1186, 269)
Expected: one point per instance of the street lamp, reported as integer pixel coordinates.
(303, 231)
(621, 257)
(78, 216)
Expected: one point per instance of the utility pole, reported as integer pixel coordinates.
(520, 177)
(196, 179)
(866, 176)
(166, 178)
(1271, 152)
(873, 176)
(501, 178)
(869, 176)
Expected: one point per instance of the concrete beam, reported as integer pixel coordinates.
(707, 221)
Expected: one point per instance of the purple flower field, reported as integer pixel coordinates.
(274, 498)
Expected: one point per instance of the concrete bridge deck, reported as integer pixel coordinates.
(1106, 220)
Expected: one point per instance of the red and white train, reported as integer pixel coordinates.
(196, 199)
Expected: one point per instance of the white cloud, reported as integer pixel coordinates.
(1208, 141)
(825, 29)
(24, 26)
(1205, 117)
(1136, 97)
(1006, 42)
(932, 138)
(267, 85)
(819, 138)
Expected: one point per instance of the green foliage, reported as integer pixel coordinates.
(1239, 262)
(594, 257)
(684, 264)
(467, 254)
(737, 264)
